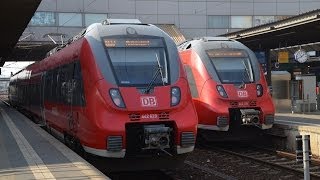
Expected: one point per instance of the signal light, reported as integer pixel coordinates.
(259, 90)
(117, 98)
(175, 96)
(221, 91)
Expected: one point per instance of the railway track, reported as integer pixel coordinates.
(283, 161)
(276, 164)
(278, 159)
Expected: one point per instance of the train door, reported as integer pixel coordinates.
(75, 99)
(70, 91)
(43, 121)
(65, 96)
(76, 96)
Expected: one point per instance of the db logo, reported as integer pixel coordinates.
(242, 94)
(148, 101)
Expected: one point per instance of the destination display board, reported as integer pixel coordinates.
(214, 53)
(132, 42)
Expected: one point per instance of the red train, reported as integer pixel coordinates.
(116, 90)
(227, 84)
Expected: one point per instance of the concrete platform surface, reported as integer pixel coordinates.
(306, 119)
(29, 152)
(288, 126)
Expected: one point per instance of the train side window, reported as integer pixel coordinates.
(55, 93)
(78, 93)
(48, 84)
(192, 82)
(62, 85)
(65, 85)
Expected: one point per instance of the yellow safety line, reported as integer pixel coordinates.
(36, 165)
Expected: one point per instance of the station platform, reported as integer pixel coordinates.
(306, 119)
(29, 152)
(287, 126)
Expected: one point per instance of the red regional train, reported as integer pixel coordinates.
(227, 84)
(117, 90)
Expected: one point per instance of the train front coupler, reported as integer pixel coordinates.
(157, 137)
(250, 116)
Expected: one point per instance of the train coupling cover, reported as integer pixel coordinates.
(249, 116)
(157, 136)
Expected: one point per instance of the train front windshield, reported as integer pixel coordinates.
(232, 66)
(138, 62)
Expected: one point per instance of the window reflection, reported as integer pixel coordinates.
(43, 19)
(260, 20)
(218, 21)
(94, 18)
(70, 19)
(241, 21)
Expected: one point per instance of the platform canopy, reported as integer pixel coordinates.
(296, 30)
(14, 18)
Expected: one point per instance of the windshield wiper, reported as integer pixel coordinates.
(159, 71)
(247, 72)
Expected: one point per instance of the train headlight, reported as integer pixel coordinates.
(117, 98)
(221, 91)
(259, 90)
(175, 96)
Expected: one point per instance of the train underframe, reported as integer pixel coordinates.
(149, 146)
(244, 124)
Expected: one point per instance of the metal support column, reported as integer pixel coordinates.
(306, 158)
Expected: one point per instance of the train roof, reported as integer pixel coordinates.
(115, 27)
(202, 44)
(211, 43)
(124, 29)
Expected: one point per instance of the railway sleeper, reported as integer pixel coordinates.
(286, 163)
(314, 168)
(269, 158)
(279, 160)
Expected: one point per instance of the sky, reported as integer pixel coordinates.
(13, 67)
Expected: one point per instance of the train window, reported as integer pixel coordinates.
(232, 66)
(48, 85)
(54, 85)
(70, 86)
(65, 84)
(138, 66)
(239, 71)
(192, 82)
(137, 61)
(78, 94)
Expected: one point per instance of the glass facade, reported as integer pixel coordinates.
(278, 18)
(218, 22)
(70, 19)
(241, 22)
(43, 19)
(94, 18)
(85, 19)
(193, 18)
(260, 20)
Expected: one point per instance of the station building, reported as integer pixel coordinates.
(56, 21)
(63, 19)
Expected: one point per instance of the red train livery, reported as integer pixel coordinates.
(116, 90)
(227, 84)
